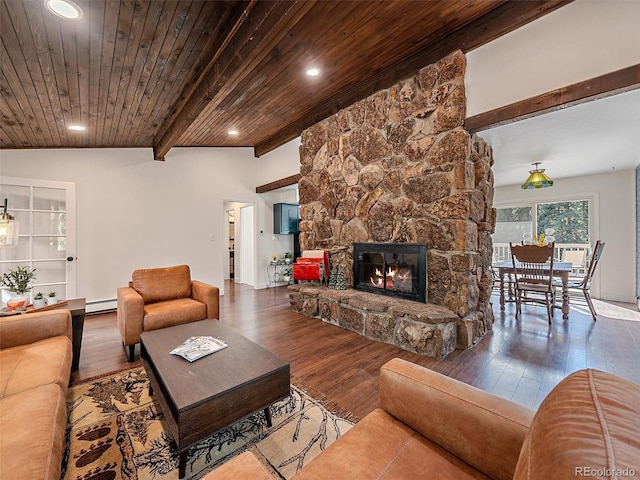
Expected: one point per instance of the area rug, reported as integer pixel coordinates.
(117, 432)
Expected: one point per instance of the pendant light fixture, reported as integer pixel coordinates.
(9, 228)
(537, 179)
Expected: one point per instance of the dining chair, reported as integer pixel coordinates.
(533, 267)
(577, 260)
(584, 284)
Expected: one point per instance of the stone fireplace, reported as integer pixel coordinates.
(399, 167)
(393, 269)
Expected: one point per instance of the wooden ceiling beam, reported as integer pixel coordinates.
(184, 113)
(249, 43)
(283, 182)
(503, 19)
(606, 85)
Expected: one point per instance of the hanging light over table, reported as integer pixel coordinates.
(537, 179)
(9, 228)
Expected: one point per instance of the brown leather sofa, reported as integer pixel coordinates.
(162, 297)
(433, 427)
(35, 368)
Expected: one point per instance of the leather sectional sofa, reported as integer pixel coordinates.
(433, 427)
(35, 368)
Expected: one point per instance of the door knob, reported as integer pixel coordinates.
(70, 259)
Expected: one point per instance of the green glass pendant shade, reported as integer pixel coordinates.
(537, 179)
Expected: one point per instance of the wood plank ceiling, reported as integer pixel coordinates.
(154, 73)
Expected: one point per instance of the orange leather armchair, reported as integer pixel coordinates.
(162, 297)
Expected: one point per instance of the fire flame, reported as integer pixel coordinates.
(393, 279)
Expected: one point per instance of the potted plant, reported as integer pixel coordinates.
(52, 298)
(38, 300)
(286, 274)
(18, 282)
(274, 259)
(287, 257)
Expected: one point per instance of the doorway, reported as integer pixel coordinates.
(238, 245)
(230, 267)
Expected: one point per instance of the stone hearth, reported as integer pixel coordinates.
(399, 166)
(425, 329)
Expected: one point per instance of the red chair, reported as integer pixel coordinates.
(313, 265)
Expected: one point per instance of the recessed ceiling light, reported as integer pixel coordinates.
(64, 9)
(313, 72)
(233, 132)
(77, 128)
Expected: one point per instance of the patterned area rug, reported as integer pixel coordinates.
(117, 431)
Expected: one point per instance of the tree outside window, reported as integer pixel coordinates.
(570, 220)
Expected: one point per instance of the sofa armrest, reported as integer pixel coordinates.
(130, 315)
(32, 327)
(481, 429)
(209, 295)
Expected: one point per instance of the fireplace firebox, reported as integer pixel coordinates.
(395, 269)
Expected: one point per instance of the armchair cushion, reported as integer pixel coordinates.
(243, 467)
(383, 447)
(173, 312)
(158, 284)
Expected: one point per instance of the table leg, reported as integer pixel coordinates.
(77, 322)
(565, 296)
(182, 463)
(502, 291)
(267, 414)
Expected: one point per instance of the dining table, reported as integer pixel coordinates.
(561, 270)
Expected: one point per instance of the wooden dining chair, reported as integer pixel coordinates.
(533, 267)
(577, 259)
(584, 285)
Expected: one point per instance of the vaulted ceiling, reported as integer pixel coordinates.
(154, 73)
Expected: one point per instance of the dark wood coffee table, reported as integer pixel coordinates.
(199, 398)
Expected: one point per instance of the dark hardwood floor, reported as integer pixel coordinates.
(519, 360)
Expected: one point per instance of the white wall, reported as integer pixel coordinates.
(134, 212)
(614, 195)
(582, 40)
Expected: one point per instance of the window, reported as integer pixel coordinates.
(569, 219)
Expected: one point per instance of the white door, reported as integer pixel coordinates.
(247, 246)
(46, 212)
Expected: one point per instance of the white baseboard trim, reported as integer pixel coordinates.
(95, 306)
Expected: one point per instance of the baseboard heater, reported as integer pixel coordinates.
(100, 306)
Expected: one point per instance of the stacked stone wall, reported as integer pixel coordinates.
(400, 167)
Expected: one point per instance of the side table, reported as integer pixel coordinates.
(275, 273)
(77, 308)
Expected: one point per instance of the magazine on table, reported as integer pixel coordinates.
(194, 348)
